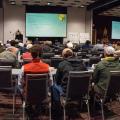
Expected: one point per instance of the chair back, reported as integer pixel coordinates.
(113, 88)
(4, 62)
(94, 60)
(78, 84)
(5, 77)
(47, 55)
(28, 60)
(55, 61)
(36, 88)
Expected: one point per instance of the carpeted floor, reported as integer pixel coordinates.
(6, 110)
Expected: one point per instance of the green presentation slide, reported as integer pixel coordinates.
(45, 25)
(115, 30)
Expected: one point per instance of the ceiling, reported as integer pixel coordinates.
(100, 7)
(67, 3)
(115, 11)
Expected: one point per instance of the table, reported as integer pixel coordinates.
(16, 71)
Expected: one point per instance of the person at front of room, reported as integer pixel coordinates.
(19, 36)
(36, 66)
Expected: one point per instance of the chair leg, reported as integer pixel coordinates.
(23, 110)
(103, 117)
(88, 108)
(64, 112)
(13, 104)
(50, 111)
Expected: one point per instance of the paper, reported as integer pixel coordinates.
(83, 37)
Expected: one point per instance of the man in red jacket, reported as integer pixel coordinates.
(36, 66)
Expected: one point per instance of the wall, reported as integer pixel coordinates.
(14, 19)
(104, 28)
(1, 24)
(76, 23)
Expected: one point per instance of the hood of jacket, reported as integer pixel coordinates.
(110, 62)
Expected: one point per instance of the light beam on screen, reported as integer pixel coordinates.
(115, 30)
(45, 25)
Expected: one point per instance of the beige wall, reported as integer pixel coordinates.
(77, 22)
(14, 19)
(1, 24)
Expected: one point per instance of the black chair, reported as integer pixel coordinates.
(47, 55)
(48, 61)
(36, 90)
(94, 60)
(112, 91)
(55, 61)
(78, 88)
(28, 60)
(6, 83)
(4, 62)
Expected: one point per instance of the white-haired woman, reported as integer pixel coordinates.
(102, 70)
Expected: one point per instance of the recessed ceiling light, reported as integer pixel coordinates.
(12, 2)
(82, 6)
(49, 3)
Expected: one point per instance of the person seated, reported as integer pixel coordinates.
(101, 75)
(67, 65)
(97, 47)
(2, 47)
(69, 44)
(117, 47)
(27, 54)
(46, 47)
(87, 45)
(61, 78)
(36, 66)
(10, 55)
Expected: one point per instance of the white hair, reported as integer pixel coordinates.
(29, 46)
(109, 50)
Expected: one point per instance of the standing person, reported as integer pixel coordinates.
(19, 36)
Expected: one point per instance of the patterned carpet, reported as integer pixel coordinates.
(6, 110)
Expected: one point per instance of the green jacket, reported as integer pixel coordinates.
(101, 75)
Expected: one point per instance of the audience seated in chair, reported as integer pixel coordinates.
(10, 55)
(27, 54)
(101, 75)
(87, 45)
(36, 66)
(68, 64)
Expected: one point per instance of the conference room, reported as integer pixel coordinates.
(59, 59)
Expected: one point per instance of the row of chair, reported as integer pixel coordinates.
(36, 90)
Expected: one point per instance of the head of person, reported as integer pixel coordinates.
(47, 43)
(87, 42)
(36, 51)
(67, 52)
(13, 43)
(109, 51)
(69, 45)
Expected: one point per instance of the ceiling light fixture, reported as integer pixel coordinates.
(12, 2)
(49, 3)
(82, 6)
